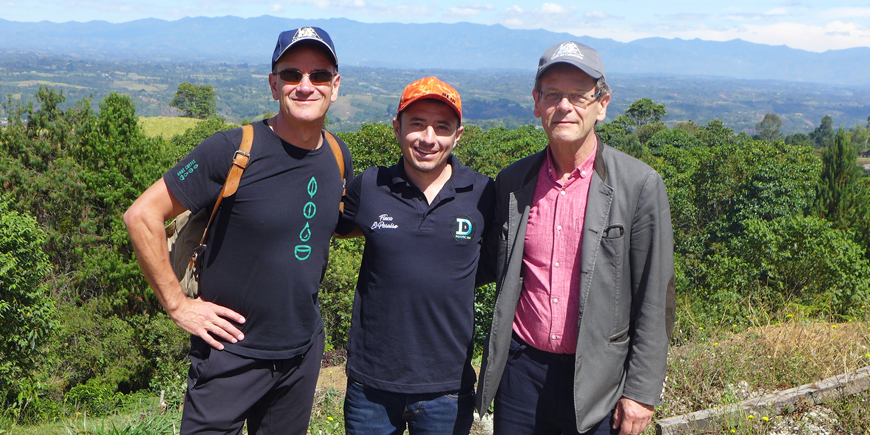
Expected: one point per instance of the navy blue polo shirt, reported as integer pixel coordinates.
(413, 312)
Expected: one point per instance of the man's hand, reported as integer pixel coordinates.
(205, 319)
(630, 417)
(144, 220)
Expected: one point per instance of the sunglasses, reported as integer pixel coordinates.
(317, 78)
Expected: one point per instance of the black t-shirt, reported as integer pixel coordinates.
(268, 246)
(413, 313)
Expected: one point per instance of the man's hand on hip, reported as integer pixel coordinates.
(631, 417)
(207, 321)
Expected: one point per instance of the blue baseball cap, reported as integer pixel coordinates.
(290, 38)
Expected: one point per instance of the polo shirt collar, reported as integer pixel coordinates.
(461, 177)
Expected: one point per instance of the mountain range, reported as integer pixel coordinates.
(458, 46)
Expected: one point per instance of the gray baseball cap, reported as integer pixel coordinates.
(572, 53)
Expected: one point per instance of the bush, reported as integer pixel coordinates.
(26, 311)
(789, 260)
(94, 397)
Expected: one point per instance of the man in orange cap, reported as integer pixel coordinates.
(410, 341)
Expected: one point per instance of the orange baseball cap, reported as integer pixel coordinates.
(431, 87)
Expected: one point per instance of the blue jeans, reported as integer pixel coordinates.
(371, 411)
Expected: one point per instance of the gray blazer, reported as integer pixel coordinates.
(626, 284)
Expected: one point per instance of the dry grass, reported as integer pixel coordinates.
(723, 368)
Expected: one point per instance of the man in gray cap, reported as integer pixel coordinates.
(584, 271)
(256, 331)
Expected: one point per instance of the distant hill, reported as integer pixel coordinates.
(427, 46)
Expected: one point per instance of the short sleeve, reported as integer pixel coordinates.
(198, 178)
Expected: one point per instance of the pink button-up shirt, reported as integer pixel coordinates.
(549, 304)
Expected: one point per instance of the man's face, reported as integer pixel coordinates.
(427, 131)
(562, 121)
(304, 101)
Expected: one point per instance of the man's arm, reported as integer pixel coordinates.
(651, 259)
(145, 222)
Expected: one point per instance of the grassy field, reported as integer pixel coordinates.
(717, 367)
(165, 127)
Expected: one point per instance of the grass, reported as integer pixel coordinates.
(166, 127)
(145, 417)
(716, 367)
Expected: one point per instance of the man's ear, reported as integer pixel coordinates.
(536, 111)
(335, 86)
(603, 101)
(273, 85)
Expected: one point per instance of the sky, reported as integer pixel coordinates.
(808, 25)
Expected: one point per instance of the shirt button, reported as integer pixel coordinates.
(553, 336)
(562, 193)
(559, 227)
(555, 300)
(556, 264)
(582, 173)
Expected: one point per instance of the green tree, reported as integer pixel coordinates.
(644, 111)
(373, 145)
(195, 101)
(823, 135)
(769, 128)
(26, 310)
(789, 260)
(838, 187)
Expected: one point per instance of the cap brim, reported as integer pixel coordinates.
(589, 71)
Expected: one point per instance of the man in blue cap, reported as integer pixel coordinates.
(256, 331)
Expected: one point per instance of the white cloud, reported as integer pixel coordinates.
(356, 8)
(550, 16)
(276, 9)
(777, 11)
(463, 11)
(846, 12)
(553, 8)
(835, 35)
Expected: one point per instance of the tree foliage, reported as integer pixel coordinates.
(195, 101)
(644, 111)
(769, 127)
(26, 310)
(788, 260)
(823, 135)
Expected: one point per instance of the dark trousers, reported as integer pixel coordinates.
(274, 396)
(536, 395)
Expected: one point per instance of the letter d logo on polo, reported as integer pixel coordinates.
(463, 229)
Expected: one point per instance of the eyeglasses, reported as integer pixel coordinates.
(579, 100)
(317, 78)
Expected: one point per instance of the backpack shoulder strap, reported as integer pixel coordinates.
(339, 158)
(240, 161)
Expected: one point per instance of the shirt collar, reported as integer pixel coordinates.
(584, 170)
(461, 177)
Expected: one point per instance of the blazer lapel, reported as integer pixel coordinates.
(597, 216)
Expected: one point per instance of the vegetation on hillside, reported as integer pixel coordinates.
(764, 229)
